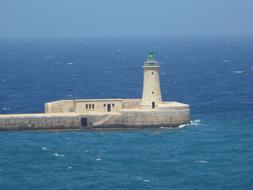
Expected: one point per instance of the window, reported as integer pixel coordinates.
(89, 106)
(153, 92)
(104, 105)
(113, 105)
(86, 106)
(93, 106)
(152, 73)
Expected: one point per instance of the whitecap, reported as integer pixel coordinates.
(98, 159)
(202, 161)
(183, 125)
(146, 180)
(58, 155)
(195, 122)
(6, 108)
(44, 148)
(225, 60)
(238, 72)
(49, 57)
(70, 63)
(69, 168)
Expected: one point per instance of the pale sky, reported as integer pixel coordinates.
(125, 18)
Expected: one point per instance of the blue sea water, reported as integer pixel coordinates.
(213, 75)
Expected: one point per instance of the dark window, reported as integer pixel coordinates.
(104, 105)
(152, 73)
(86, 106)
(153, 105)
(93, 106)
(153, 92)
(113, 105)
(89, 106)
(84, 122)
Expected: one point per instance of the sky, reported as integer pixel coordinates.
(125, 18)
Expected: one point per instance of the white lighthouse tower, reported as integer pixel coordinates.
(151, 94)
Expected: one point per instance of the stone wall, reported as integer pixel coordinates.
(131, 103)
(61, 106)
(83, 106)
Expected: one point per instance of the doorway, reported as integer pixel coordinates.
(109, 108)
(153, 105)
(84, 122)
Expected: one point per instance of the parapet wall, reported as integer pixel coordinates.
(91, 105)
(131, 103)
(62, 106)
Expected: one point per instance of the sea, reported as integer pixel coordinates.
(212, 74)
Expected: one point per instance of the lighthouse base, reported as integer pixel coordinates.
(131, 116)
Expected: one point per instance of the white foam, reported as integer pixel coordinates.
(195, 122)
(226, 60)
(70, 63)
(49, 57)
(58, 155)
(6, 108)
(98, 159)
(69, 168)
(166, 128)
(238, 72)
(183, 125)
(146, 180)
(202, 161)
(44, 148)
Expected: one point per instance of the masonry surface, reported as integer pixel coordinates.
(149, 111)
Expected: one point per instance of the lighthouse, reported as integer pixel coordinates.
(151, 94)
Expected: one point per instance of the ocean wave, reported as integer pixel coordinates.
(183, 125)
(225, 60)
(44, 148)
(238, 72)
(58, 155)
(98, 159)
(49, 57)
(202, 161)
(195, 122)
(70, 63)
(6, 109)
